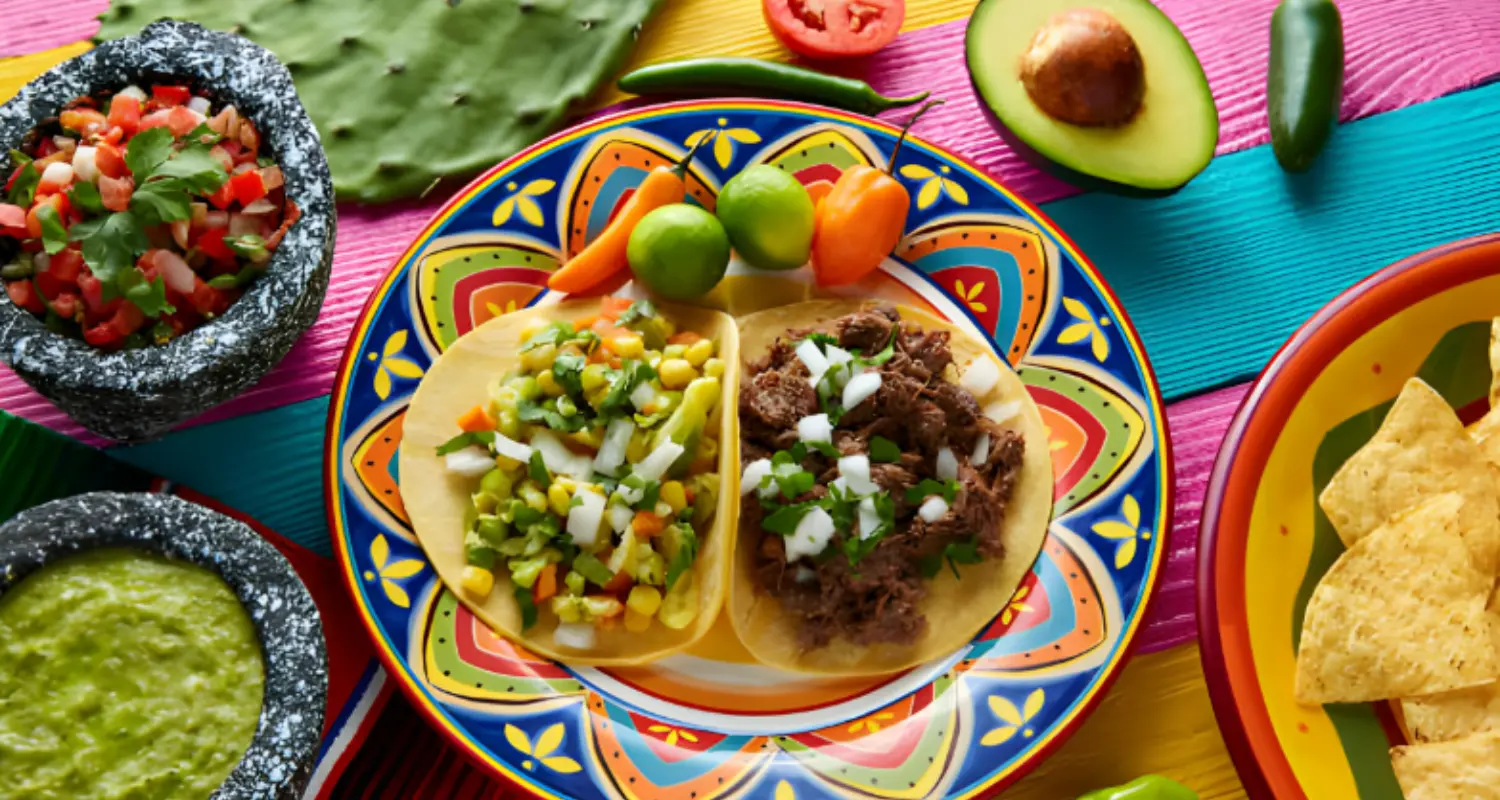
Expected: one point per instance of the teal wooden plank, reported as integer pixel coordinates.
(267, 464)
(1217, 276)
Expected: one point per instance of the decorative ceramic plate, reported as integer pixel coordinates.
(1266, 543)
(712, 723)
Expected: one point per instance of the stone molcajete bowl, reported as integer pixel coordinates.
(290, 730)
(134, 395)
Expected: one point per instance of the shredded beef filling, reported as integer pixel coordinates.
(879, 599)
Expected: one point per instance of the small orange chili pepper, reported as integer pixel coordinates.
(861, 219)
(476, 419)
(605, 256)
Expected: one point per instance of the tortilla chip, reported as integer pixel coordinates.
(1420, 450)
(1454, 715)
(1495, 362)
(1468, 769)
(1400, 613)
(1486, 434)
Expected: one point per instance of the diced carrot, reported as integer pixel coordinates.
(685, 338)
(688, 493)
(546, 584)
(612, 307)
(476, 419)
(586, 322)
(647, 524)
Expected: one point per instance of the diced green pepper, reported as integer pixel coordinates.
(1146, 787)
(524, 571)
(575, 582)
(686, 424)
(477, 551)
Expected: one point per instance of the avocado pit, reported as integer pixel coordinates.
(1082, 67)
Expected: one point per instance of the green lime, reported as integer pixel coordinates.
(769, 217)
(678, 251)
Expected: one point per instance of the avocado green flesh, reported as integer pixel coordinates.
(124, 675)
(1171, 138)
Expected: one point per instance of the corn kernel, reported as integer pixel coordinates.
(539, 358)
(636, 451)
(644, 600)
(509, 424)
(508, 464)
(700, 351)
(629, 346)
(589, 437)
(676, 373)
(558, 498)
(533, 496)
(674, 351)
(708, 449)
(674, 495)
(594, 377)
(550, 385)
(477, 581)
(565, 482)
(714, 368)
(636, 622)
(680, 606)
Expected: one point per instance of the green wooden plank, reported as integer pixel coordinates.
(41, 465)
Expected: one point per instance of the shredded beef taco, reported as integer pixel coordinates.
(561, 467)
(896, 486)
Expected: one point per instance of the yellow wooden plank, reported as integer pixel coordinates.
(690, 28)
(1155, 720)
(21, 70)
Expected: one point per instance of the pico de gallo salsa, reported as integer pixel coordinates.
(135, 216)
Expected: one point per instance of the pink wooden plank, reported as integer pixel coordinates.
(32, 26)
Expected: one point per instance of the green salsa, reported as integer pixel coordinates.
(124, 675)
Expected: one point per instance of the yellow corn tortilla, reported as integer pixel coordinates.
(1421, 450)
(1454, 715)
(959, 609)
(438, 502)
(1466, 769)
(1400, 613)
(1495, 362)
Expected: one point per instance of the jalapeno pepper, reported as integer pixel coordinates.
(1146, 787)
(714, 77)
(1306, 79)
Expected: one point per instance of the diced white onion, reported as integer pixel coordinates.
(855, 470)
(840, 483)
(241, 224)
(470, 462)
(1002, 412)
(585, 517)
(559, 458)
(612, 450)
(981, 452)
(272, 178)
(641, 396)
(981, 376)
(132, 91)
(815, 428)
(574, 635)
(510, 448)
(947, 464)
(175, 272)
(180, 230)
(631, 495)
(260, 206)
(620, 518)
(41, 261)
(813, 358)
(216, 219)
(662, 509)
(58, 174)
(84, 165)
(811, 536)
(869, 518)
(65, 143)
(754, 473)
(861, 387)
(837, 355)
(933, 509)
(655, 465)
(198, 104)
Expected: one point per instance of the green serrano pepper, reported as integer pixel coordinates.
(1306, 79)
(713, 77)
(1147, 787)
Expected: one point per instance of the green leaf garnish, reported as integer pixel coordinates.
(204, 135)
(639, 310)
(149, 297)
(110, 245)
(54, 235)
(193, 168)
(546, 413)
(929, 487)
(784, 520)
(825, 339)
(687, 551)
(537, 469)
(567, 368)
(884, 450)
(955, 553)
(589, 566)
(523, 600)
(147, 150)
(465, 439)
(161, 201)
(86, 196)
(23, 191)
(622, 382)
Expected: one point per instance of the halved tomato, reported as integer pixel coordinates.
(834, 28)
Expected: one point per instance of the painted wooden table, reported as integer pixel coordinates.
(1215, 278)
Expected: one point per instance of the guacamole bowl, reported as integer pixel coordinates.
(139, 393)
(88, 590)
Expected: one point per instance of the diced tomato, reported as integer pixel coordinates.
(125, 113)
(23, 294)
(57, 201)
(66, 265)
(66, 305)
(110, 161)
(114, 136)
(211, 244)
(248, 187)
(83, 120)
(49, 285)
(293, 213)
(12, 220)
(127, 319)
(92, 290)
(54, 180)
(182, 120)
(206, 299)
(45, 147)
(223, 196)
(115, 192)
(620, 584)
(170, 95)
(223, 157)
(249, 136)
(156, 119)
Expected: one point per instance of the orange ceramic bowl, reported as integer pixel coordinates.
(1265, 543)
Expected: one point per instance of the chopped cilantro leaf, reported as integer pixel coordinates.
(523, 595)
(18, 158)
(639, 310)
(54, 235)
(547, 414)
(537, 469)
(161, 201)
(567, 368)
(929, 487)
(204, 135)
(884, 450)
(687, 550)
(555, 334)
(466, 439)
(86, 196)
(784, 520)
(795, 484)
(825, 339)
(147, 151)
(624, 381)
(965, 552)
(110, 245)
(150, 297)
(826, 448)
(193, 168)
(23, 191)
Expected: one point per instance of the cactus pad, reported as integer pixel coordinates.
(408, 92)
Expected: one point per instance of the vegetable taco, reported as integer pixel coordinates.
(560, 466)
(896, 487)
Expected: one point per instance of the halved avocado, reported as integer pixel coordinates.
(1105, 94)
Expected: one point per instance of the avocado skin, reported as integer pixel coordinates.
(1305, 82)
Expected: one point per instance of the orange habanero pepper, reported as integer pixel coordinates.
(605, 256)
(861, 219)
